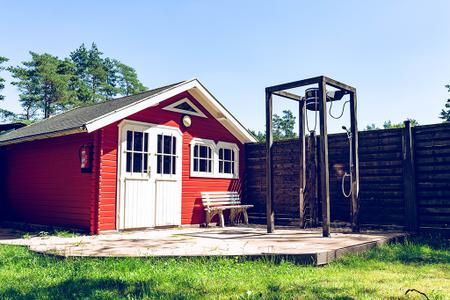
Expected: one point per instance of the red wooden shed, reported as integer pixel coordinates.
(133, 162)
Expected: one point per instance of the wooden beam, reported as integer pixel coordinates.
(339, 85)
(294, 84)
(288, 95)
(269, 180)
(409, 179)
(355, 160)
(302, 162)
(311, 191)
(324, 168)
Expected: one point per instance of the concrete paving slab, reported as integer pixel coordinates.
(303, 246)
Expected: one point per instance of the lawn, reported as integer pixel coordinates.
(385, 272)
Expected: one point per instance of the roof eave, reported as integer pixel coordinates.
(47, 135)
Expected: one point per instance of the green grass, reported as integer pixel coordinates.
(385, 272)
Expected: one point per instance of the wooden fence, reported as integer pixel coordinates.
(404, 178)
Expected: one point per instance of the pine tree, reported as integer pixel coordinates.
(43, 83)
(92, 74)
(99, 78)
(445, 113)
(282, 127)
(2, 80)
(128, 81)
(48, 85)
(5, 115)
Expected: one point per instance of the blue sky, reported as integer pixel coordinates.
(396, 53)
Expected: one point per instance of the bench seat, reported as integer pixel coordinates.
(216, 203)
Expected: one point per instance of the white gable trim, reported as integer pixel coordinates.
(172, 107)
(195, 88)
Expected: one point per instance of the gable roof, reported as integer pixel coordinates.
(93, 117)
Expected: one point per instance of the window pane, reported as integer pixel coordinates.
(128, 164)
(174, 145)
(203, 150)
(227, 153)
(129, 139)
(196, 151)
(167, 144)
(185, 106)
(138, 141)
(146, 142)
(159, 143)
(195, 164)
(137, 162)
(203, 165)
(209, 166)
(167, 165)
(145, 163)
(220, 166)
(158, 164)
(227, 167)
(174, 163)
(220, 153)
(232, 155)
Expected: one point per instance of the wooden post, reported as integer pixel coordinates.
(409, 179)
(355, 159)
(302, 162)
(311, 199)
(324, 168)
(269, 180)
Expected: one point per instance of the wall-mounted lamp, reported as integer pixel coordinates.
(187, 121)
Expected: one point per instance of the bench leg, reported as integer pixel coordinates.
(244, 212)
(233, 214)
(222, 220)
(208, 218)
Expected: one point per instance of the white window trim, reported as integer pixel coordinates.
(233, 147)
(202, 142)
(215, 158)
(197, 112)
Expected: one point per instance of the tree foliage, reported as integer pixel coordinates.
(371, 127)
(282, 127)
(389, 124)
(99, 78)
(5, 115)
(445, 113)
(2, 80)
(43, 83)
(48, 85)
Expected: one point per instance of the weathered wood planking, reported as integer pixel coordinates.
(382, 193)
(432, 154)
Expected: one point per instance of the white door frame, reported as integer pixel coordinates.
(155, 128)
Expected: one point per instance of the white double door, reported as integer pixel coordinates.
(149, 176)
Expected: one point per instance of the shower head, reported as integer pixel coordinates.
(349, 134)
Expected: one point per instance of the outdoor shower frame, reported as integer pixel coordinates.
(280, 90)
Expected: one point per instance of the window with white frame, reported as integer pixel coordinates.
(202, 162)
(136, 152)
(209, 159)
(228, 159)
(166, 154)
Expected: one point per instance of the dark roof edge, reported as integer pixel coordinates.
(42, 136)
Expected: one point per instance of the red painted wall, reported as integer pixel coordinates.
(44, 184)
(208, 128)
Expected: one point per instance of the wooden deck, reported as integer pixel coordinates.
(300, 246)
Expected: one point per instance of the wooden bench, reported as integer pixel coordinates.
(216, 203)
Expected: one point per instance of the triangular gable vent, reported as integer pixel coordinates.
(185, 106)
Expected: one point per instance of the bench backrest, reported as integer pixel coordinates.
(210, 199)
